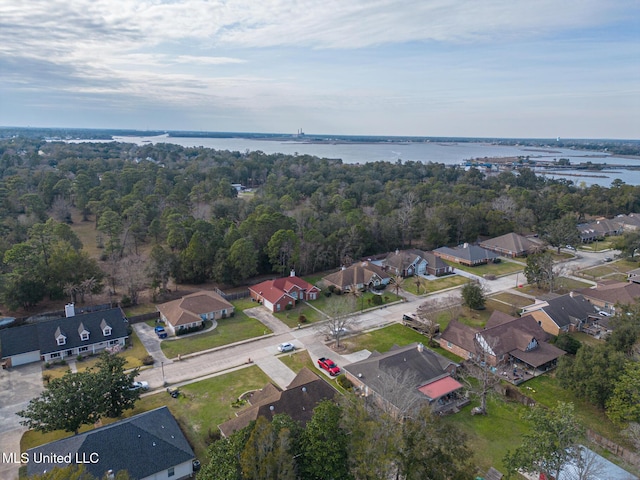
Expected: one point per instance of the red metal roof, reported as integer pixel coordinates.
(440, 387)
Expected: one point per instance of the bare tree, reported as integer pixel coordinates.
(585, 466)
(398, 283)
(397, 391)
(133, 276)
(478, 373)
(340, 317)
(632, 432)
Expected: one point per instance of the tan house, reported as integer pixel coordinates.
(192, 310)
(566, 313)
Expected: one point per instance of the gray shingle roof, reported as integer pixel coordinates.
(471, 253)
(42, 336)
(567, 307)
(17, 340)
(142, 445)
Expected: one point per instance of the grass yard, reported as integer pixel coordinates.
(201, 408)
(383, 339)
(546, 390)
(229, 330)
(430, 286)
(563, 285)
(362, 302)
(291, 317)
(504, 267)
(296, 361)
(491, 436)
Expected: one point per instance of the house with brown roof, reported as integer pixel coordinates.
(362, 275)
(517, 346)
(430, 375)
(277, 294)
(470, 255)
(298, 401)
(192, 310)
(606, 295)
(511, 245)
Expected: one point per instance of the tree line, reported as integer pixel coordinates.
(166, 213)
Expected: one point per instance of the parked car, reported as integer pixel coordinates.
(608, 259)
(161, 332)
(286, 347)
(602, 313)
(329, 365)
(570, 247)
(142, 385)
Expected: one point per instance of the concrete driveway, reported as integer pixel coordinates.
(18, 385)
(151, 342)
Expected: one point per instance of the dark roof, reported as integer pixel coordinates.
(42, 336)
(142, 445)
(566, 309)
(424, 363)
(471, 253)
(17, 340)
(403, 259)
(114, 318)
(460, 335)
(298, 401)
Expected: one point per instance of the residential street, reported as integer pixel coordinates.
(23, 383)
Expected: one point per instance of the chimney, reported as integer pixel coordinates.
(292, 273)
(109, 475)
(69, 310)
(571, 294)
(420, 347)
(397, 251)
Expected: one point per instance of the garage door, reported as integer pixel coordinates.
(23, 358)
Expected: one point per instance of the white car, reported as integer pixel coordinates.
(286, 347)
(139, 386)
(604, 314)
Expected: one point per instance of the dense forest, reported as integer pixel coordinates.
(164, 212)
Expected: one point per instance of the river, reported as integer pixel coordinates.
(448, 153)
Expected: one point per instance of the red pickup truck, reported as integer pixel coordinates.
(328, 365)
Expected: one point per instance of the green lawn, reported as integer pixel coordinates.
(291, 317)
(383, 339)
(491, 436)
(430, 286)
(201, 408)
(297, 360)
(229, 330)
(362, 302)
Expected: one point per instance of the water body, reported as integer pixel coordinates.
(448, 153)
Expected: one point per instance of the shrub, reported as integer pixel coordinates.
(47, 365)
(148, 360)
(46, 377)
(567, 343)
(302, 319)
(327, 293)
(288, 306)
(126, 301)
(331, 289)
(344, 382)
(79, 358)
(376, 300)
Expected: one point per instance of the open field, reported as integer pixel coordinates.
(503, 267)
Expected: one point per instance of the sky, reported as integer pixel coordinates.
(465, 68)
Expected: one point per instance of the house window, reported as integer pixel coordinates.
(83, 349)
(107, 331)
(113, 342)
(278, 307)
(449, 344)
(171, 472)
(55, 355)
(62, 340)
(84, 336)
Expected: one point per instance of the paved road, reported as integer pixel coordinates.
(23, 383)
